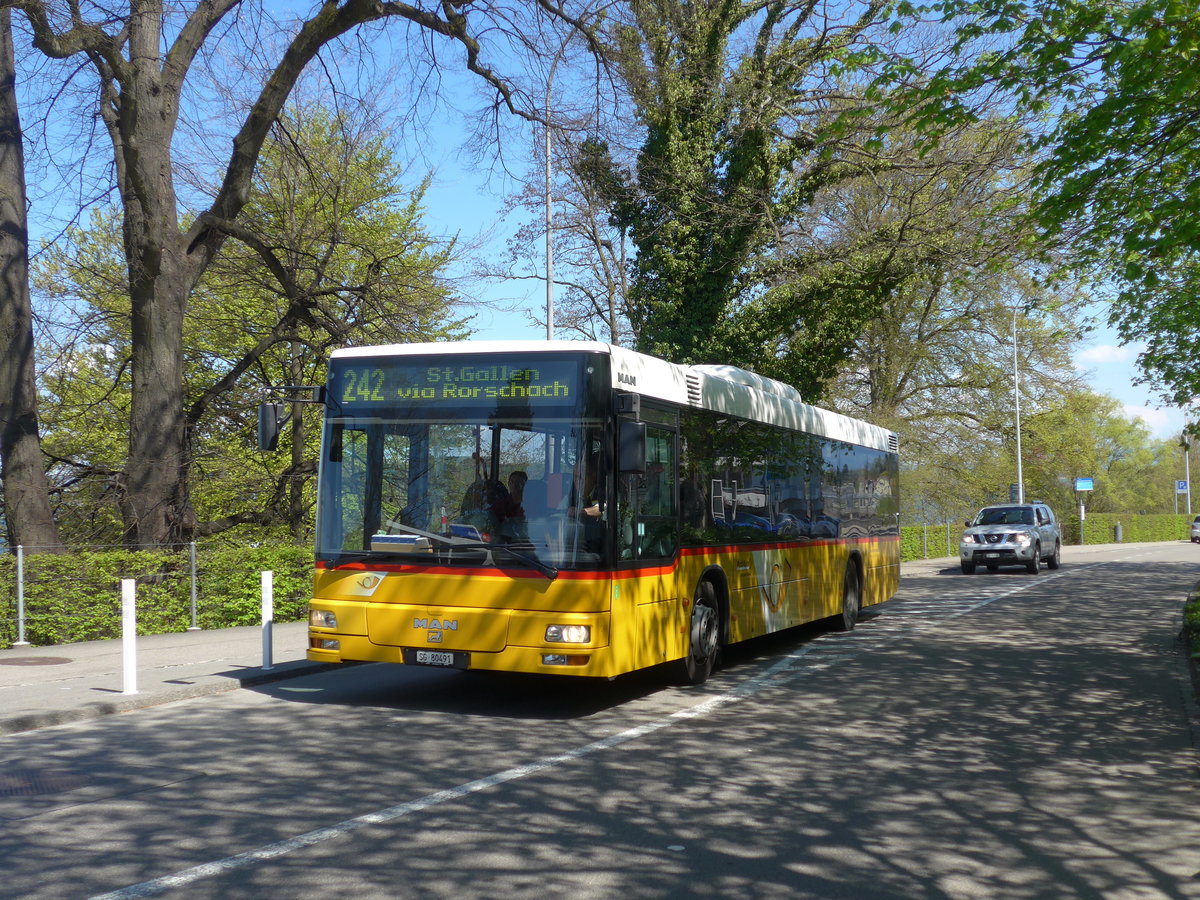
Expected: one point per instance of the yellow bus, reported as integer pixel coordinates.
(575, 508)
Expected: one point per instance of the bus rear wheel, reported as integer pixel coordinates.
(704, 635)
(851, 599)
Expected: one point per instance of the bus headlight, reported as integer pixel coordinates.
(568, 634)
(322, 618)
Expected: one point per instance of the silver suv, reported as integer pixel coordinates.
(1011, 534)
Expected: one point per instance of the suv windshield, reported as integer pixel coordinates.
(1022, 515)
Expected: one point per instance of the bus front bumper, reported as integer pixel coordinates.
(588, 662)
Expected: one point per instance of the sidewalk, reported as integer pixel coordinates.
(42, 686)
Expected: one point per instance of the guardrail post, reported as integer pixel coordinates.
(21, 642)
(128, 636)
(268, 614)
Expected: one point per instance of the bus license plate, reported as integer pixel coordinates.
(432, 658)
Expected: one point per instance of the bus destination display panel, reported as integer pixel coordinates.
(517, 381)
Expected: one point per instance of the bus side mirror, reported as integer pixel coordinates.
(631, 452)
(270, 416)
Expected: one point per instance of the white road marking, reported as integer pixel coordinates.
(824, 653)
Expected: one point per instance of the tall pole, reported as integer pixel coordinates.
(550, 209)
(1017, 406)
(562, 48)
(549, 197)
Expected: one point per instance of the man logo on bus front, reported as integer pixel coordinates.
(435, 627)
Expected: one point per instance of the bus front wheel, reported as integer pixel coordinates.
(704, 635)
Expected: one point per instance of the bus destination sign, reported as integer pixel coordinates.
(402, 381)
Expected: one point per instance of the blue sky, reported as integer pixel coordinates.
(1112, 369)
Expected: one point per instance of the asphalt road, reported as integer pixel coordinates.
(1000, 735)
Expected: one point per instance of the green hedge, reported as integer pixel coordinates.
(77, 596)
(929, 542)
(1101, 528)
(1191, 624)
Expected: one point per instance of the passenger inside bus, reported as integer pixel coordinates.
(582, 498)
(486, 505)
(516, 486)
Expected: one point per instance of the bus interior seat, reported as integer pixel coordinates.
(554, 489)
(535, 500)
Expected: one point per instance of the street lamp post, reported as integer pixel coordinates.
(550, 201)
(562, 47)
(1017, 407)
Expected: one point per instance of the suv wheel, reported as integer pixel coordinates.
(968, 568)
(1056, 560)
(1035, 565)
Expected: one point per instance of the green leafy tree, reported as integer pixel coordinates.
(331, 250)
(1087, 435)
(1071, 433)
(932, 246)
(1119, 174)
(145, 59)
(756, 135)
(732, 100)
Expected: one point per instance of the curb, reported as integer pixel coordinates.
(252, 678)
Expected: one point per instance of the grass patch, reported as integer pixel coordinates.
(1191, 634)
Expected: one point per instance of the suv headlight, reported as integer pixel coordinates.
(1020, 537)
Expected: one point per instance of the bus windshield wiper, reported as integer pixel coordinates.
(461, 543)
(346, 558)
(550, 572)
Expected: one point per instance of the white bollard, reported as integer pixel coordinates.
(128, 636)
(21, 642)
(268, 614)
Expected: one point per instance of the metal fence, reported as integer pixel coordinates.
(50, 598)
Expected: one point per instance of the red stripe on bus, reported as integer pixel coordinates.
(623, 574)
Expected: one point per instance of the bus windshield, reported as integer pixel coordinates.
(463, 465)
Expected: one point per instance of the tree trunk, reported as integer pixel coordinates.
(27, 514)
(142, 77)
(297, 511)
(155, 501)
(155, 506)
